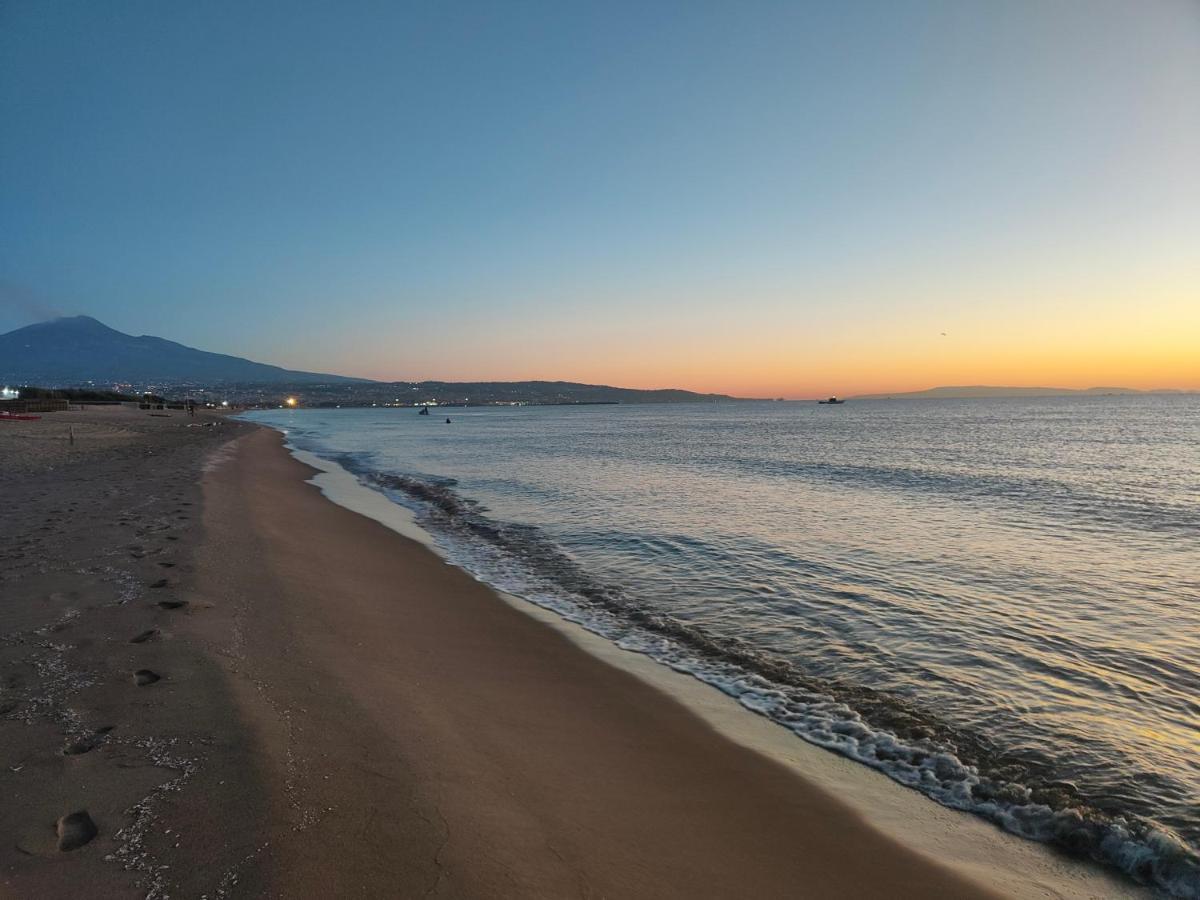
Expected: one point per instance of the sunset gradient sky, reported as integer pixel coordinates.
(769, 199)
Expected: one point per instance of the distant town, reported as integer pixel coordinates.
(358, 394)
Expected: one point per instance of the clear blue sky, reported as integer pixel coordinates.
(793, 196)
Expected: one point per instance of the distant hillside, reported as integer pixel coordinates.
(975, 391)
(542, 392)
(80, 349)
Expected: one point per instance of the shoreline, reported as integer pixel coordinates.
(340, 712)
(492, 757)
(1015, 866)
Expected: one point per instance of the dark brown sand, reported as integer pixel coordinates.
(339, 713)
(85, 529)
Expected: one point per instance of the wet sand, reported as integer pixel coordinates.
(340, 713)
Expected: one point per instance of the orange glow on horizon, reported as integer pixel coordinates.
(849, 367)
(1143, 334)
(862, 373)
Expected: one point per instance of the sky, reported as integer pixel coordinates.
(766, 199)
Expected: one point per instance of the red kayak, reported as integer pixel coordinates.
(15, 417)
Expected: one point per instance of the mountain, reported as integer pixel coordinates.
(980, 390)
(80, 349)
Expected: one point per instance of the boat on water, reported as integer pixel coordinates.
(831, 401)
(424, 411)
(17, 417)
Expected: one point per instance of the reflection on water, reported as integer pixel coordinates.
(995, 601)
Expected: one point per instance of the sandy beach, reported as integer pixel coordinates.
(252, 691)
(97, 544)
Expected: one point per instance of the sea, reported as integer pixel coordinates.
(996, 602)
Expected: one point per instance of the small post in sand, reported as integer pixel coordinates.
(71, 434)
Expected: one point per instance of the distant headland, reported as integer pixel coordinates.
(967, 392)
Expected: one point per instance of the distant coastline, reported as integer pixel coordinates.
(968, 392)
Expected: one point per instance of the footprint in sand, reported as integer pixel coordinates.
(172, 604)
(143, 677)
(87, 744)
(75, 830)
(161, 583)
(146, 635)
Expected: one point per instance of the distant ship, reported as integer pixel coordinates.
(831, 400)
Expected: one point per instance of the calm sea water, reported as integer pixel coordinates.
(996, 602)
